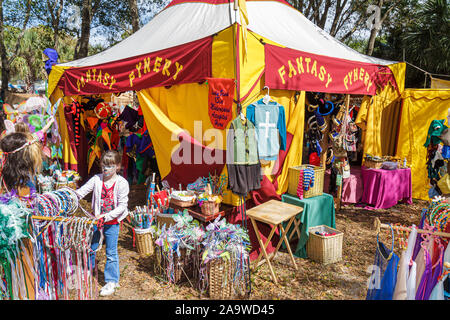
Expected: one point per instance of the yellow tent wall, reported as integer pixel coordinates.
(419, 108)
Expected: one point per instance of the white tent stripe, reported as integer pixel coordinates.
(186, 22)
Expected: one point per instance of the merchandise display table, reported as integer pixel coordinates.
(273, 213)
(385, 188)
(316, 211)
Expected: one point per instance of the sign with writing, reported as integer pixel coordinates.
(186, 63)
(220, 101)
(297, 70)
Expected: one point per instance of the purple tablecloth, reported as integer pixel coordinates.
(385, 188)
(352, 187)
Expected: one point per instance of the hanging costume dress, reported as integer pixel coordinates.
(384, 273)
(244, 168)
(403, 274)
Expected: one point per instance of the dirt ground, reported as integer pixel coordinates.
(345, 280)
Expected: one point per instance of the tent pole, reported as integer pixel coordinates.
(347, 105)
(237, 71)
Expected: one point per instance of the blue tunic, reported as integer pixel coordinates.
(270, 123)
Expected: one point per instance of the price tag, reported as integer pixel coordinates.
(339, 180)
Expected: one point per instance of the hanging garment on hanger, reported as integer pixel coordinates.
(403, 271)
(270, 122)
(424, 274)
(438, 290)
(384, 273)
(402, 277)
(421, 259)
(411, 282)
(436, 272)
(130, 116)
(419, 237)
(244, 168)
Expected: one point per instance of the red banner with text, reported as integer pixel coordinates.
(186, 63)
(220, 101)
(297, 70)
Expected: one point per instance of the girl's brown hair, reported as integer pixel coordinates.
(110, 157)
(19, 167)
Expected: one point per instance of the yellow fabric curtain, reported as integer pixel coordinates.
(420, 107)
(378, 118)
(68, 156)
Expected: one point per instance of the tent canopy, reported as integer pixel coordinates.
(180, 36)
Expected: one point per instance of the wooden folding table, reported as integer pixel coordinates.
(273, 213)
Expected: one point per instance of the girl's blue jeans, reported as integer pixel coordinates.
(111, 234)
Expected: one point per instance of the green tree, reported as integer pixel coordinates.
(418, 33)
(427, 40)
(9, 16)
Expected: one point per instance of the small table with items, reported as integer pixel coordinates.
(318, 210)
(273, 213)
(385, 188)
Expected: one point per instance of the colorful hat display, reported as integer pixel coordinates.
(102, 110)
(325, 108)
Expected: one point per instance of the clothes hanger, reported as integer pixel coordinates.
(266, 99)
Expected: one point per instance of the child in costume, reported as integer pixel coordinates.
(110, 205)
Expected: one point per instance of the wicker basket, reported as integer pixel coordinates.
(324, 249)
(144, 242)
(373, 164)
(183, 266)
(210, 207)
(315, 190)
(183, 204)
(73, 185)
(164, 219)
(220, 276)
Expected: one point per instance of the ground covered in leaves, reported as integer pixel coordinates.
(345, 280)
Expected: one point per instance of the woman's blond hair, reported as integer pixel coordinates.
(22, 127)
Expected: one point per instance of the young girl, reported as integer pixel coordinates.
(110, 203)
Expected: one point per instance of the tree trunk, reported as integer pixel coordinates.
(56, 26)
(371, 43)
(135, 21)
(82, 49)
(337, 16)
